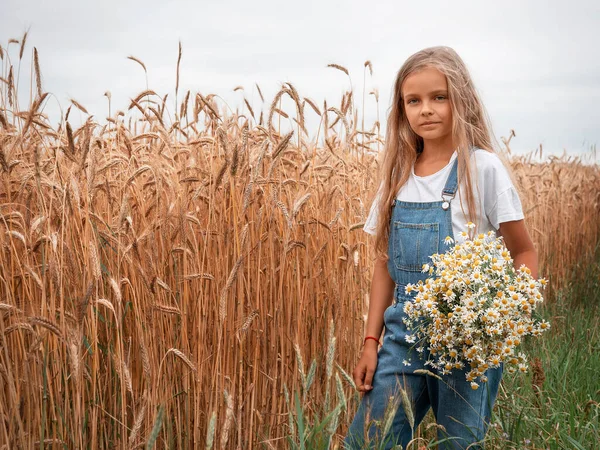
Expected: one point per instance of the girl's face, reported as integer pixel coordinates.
(425, 101)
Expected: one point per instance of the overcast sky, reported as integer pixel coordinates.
(535, 63)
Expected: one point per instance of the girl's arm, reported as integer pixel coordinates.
(382, 291)
(520, 245)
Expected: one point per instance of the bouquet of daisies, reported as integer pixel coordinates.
(476, 310)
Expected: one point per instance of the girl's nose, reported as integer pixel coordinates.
(426, 109)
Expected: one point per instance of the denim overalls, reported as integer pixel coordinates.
(418, 230)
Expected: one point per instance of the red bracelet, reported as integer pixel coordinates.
(371, 337)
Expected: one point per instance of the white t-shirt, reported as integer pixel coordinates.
(497, 197)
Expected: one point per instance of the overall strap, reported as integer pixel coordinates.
(452, 181)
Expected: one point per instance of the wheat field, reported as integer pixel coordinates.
(173, 280)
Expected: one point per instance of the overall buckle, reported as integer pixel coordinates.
(446, 201)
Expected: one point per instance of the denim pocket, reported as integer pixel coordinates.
(413, 244)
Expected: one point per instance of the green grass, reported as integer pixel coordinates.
(565, 412)
(562, 413)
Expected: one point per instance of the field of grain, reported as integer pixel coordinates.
(201, 280)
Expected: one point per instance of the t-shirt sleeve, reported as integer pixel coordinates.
(508, 207)
(370, 225)
(501, 200)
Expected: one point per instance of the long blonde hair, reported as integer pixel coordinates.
(470, 128)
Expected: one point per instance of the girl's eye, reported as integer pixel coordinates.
(440, 97)
(412, 100)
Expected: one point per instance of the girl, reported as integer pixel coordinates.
(438, 160)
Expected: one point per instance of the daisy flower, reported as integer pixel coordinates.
(475, 309)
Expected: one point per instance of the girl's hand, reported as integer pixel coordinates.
(365, 368)
(519, 244)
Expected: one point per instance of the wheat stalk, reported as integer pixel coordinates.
(167, 309)
(338, 67)
(18, 326)
(47, 324)
(95, 261)
(228, 284)
(79, 106)
(228, 419)
(133, 58)
(137, 424)
(179, 354)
